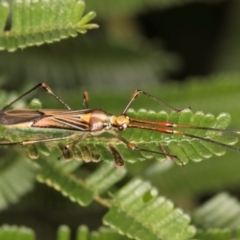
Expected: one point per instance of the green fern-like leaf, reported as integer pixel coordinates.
(17, 177)
(58, 175)
(219, 174)
(186, 148)
(218, 218)
(83, 233)
(64, 233)
(105, 177)
(13, 232)
(137, 211)
(38, 22)
(96, 148)
(222, 211)
(214, 234)
(135, 206)
(54, 175)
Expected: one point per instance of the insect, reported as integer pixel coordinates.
(79, 124)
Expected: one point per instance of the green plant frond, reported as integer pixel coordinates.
(186, 148)
(105, 177)
(219, 174)
(106, 233)
(34, 23)
(137, 211)
(4, 11)
(96, 148)
(13, 232)
(63, 233)
(222, 211)
(136, 206)
(218, 234)
(58, 174)
(54, 175)
(83, 233)
(17, 177)
(214, 234)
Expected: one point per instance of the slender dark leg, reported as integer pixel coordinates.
(138, 92)
(46, 88)
(66, 149)
(29, 142)
(133, 147)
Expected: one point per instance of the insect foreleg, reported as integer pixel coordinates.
(133, 147)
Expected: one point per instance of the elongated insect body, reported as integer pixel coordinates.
(68, 124)
(186, 135)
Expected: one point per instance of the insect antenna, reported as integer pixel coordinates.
(168, 128)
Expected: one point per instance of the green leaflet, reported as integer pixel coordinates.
(13, 232)
(83, 233)
(17, 177)
(222, 211)
(54, 175)
(37, 22)
(4, 10)
(105, 177)
(218, 218)
(219, 174)
(57, 174)
(214, 234)
(63, 233)
(137, 212)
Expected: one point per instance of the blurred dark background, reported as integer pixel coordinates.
(192, 31)
(161, 41)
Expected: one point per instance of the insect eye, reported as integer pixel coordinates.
(120, 128)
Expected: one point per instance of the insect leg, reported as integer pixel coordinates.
(45, 87)
(168, 156)
(138, 92)
(29, 142)
(86, 100)
(118, 160)
(66, 153)
(133, 147)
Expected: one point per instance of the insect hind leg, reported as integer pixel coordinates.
(46, 88)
